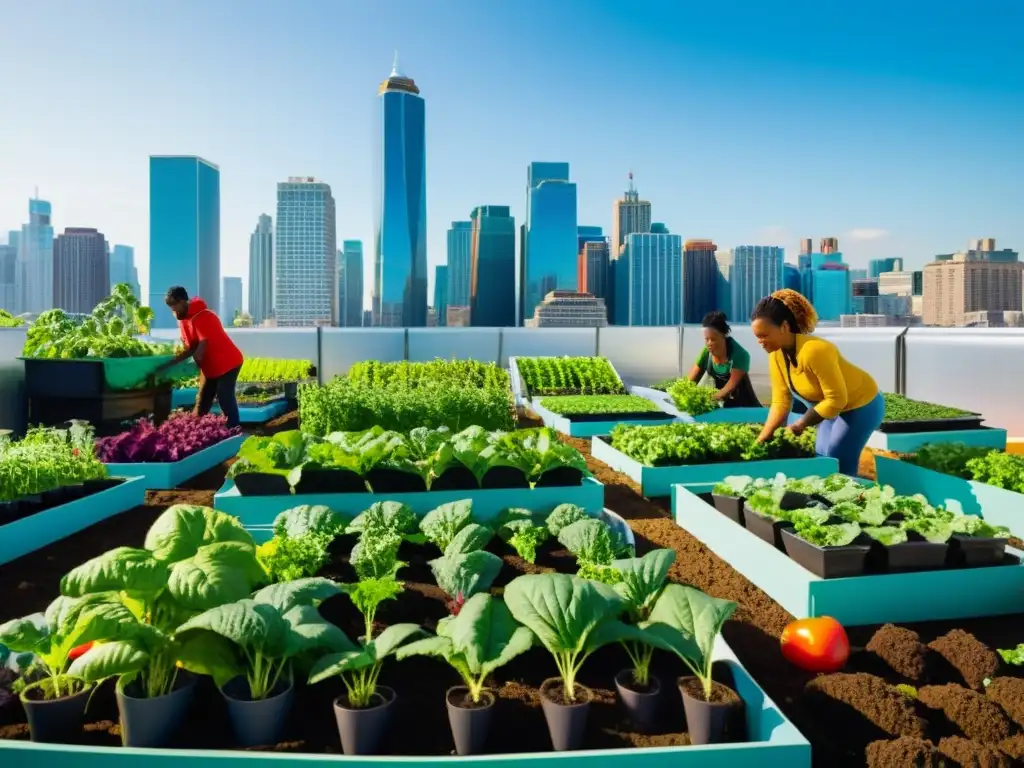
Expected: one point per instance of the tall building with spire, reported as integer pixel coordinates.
(400, 248)
(630, 215)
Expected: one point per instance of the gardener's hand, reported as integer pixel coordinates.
(797, 428)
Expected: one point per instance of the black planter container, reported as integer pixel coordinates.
(330, 481)
(153, 722)
(562, 477)
(361, 730)
(641, 707)
(10, 511)
(765, 528)
(826, 562)
(74, 492)
(56, 721)
(394, 481)
(30, 505)
(567, 723)
(101, 484)
(971, 551)
(470, 725)
(504, 477)
(257, 723)
(262, 484)
(707, 722)
(730, 506)
(53, 498)
(455, 479)
(909, 556)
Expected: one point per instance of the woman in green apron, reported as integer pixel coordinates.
(726, 363)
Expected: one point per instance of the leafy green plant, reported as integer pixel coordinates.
(7, 320)
(643, 579)
(269, 370)
(441, 524)
(541, 376)
(523, 530)
(454, 373)
(838, 535)
(46, 459)
(595, 545)
(465, 569)
(676, 444)
(299, 546)
(886, 535)
(948, 458)
(481, 638)
(563, 516)
(692, 398)
(580, 405)
(999, 469)
(899, 408)
(1014, 656)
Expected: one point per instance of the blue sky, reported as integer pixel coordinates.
(894, 126)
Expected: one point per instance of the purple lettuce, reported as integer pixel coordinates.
(177, 438)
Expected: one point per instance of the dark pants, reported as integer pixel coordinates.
(222, 389)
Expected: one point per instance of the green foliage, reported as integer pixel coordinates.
(523, 530)
(541, 376)
(578, 405)
(286, 558)
(7, 320)
(899, 408)
(665, 384)
(948, 458)
(1014, 656)
(692, 398)
(675, 444)
(454, 373)
(46, 459)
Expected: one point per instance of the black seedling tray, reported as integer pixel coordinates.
(730, 506)
(932, 425)
(827, 562)
(262, 484)
(971, 551)
(764, 528)
(908, 556)
(591, 417)
(330, 481)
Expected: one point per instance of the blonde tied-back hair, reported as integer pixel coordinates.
(801, 309)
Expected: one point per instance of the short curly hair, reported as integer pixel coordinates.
(789, 307)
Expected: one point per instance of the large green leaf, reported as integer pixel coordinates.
(486, 634)
(429, 646)
(686, 622)
(22, 635)
(471, 538)
(119, 657)
(122, 569)
(307, 631)
(182, 529)
(442, 523)
(289, 594)
(334, 664)
(309, 518)
(589, 540)
(217, 574)
(204, 653)
(643, 577)
(466, 575)
(250, 625)
(391, 638)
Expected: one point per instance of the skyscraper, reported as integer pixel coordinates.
(492, 297)
(595, 269)
(829, 245)
(441, 293)
(806, 246)
(878, 266)
(350, 272)
(547, 261)
(123, 270)
(8, 276)
(184, 231)
(261, 270)
(649, 280)
(756, 273)
(460, 245)
(230, 299)
(790, 278)
(629, 214)
(35, 259)
(831, 288)
(81, 270)
(400, 252)
(700, 277)
(958, 284)
(306, 256)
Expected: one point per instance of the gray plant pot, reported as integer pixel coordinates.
(706, 721)
(470, 725)
(641, 707)
(361, 729)
(258, 723)
(153, 722)
(567, 723)
(57, 720)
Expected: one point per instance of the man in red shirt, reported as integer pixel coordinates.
(205, 340)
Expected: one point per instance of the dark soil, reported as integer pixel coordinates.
(840, 714)
(720, 694)
(459, 697)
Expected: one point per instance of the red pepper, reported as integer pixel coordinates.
(816, 645)
(79, 650)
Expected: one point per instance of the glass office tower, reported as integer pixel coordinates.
(493, 270)
(548, 256)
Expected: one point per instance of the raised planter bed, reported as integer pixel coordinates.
(591, 425)
(487, 503)
(521, 392)
(247, 414)
(37, 530)
(909, 424)
(952, 593)
(171, 474)
(658, 481)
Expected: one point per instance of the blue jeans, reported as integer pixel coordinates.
(844, 437)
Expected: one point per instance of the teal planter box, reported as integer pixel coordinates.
(171, 474)
(910, 442)
(773, 742)
(997, 506)
(519, 393)
(895, 597)
(658, 481)
(487, 504)
(181, 398)
(567, 426)
(44, 528)
(247, 414)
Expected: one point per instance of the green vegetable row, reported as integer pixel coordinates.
(568, 376)
(899, 408)
(676, 444)
(47, 459)
(7, 320)
(692, 398)
(984, 465)
(579, 405)
(265, 370)
(454, 373)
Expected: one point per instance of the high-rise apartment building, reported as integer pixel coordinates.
(305, 254)
(184, 231)
(441, 294)
(81, 270)
(878, 266)
(123, 270)
(723, 281)
(569, 309)
(8, 276)
(460, 246)
(261, 271)
(594, 268)
(548, 249)
(649, 280)
(831, 288)
(965, 282)
(230, 300)
(350, 280)
(400, 249)
(35, 259)
(700, 279)
(756, 272)
(917, 284)
(629, 214)
(858, 274)
(492, 297)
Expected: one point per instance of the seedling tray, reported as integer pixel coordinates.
(910, 441)
(658, 481)
(591, 425)
(972, 421)
(519, 393)
(487, 503)
(731, 507)
(826, 562)
(772, 742)
(171, 474)
(43, 528)
(955, 593)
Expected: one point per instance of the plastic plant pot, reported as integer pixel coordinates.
(455, 479)
(730, 506)
(567, 722)
(470, 722)
(640, 705)
(561, 477)
(258, 722)
(826, 562)
(707, 722)
(262, 484)
(909, 556)
(765, 528)
(971, 551)
(330, 481)
(153, 722)
(504, 477)
(361, 730)
(101, 484)
(55, 720)
(395, 481)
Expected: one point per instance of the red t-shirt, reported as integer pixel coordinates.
(202, 324)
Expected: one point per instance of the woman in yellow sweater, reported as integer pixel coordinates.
(842, 400)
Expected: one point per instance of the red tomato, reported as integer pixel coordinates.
(816, 645)
(78, 650)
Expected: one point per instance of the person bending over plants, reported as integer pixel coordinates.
(842, 400)
(726, 363)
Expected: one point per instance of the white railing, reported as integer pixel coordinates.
(975, 369)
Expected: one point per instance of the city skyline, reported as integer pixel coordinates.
(905, 114)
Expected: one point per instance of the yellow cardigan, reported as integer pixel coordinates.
(822, 376)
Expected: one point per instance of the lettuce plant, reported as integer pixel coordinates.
(595, 545)
(579, 405)
(302, 537)
(643, 579)
(523, 531)
(480, 639)
(838, 535)
(568, 376)
(440, 525)
(385, 516)
(563, 516)
(571, 618)
(465, 569)
(692, 398)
